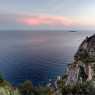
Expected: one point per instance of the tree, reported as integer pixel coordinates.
(26, 88)
(1, 78)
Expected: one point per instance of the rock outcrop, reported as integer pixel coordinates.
(86, 51)
(83, 67)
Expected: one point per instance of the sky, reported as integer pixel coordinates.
(47, 14)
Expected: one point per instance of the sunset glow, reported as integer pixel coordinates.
(47, 14)
(45, 20)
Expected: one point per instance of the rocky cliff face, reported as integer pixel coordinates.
(86, 51)
(83, 67)
(78, 72)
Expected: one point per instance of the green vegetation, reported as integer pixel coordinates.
(85, 58)
(27, 88)
(85, 88)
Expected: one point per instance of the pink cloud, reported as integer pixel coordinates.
(45, 20)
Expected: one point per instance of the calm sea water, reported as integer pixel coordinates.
(37, 55)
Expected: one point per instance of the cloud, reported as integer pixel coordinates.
(39, 20)
(45, 20)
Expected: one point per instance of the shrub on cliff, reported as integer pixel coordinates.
(26, 88)
(85, 88)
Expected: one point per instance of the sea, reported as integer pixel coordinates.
(37, 55)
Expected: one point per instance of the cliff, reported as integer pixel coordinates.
(83, 67)
(86, 51)
(79, 78)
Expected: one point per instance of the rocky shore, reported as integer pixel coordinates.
(79, 78)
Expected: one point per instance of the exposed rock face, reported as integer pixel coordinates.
(86, 53)
(87, 50)
(72, 72)
(83, 68)
(77, 73)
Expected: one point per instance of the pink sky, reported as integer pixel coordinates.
(46, 20)
(47, 14)
(55, 21)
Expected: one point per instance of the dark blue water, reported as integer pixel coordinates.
(36, 55)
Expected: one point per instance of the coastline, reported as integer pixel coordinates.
(77, 80)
